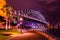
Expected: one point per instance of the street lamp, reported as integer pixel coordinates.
(19, 24)
(21, 19)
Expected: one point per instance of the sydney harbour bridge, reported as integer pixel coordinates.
(29, 14)
(34, 18)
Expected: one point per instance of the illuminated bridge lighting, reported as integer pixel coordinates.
(31, 14)
(35, 19)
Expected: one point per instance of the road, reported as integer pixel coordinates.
(31, 35)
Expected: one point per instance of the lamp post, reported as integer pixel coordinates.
(19, 24)
(21, 19)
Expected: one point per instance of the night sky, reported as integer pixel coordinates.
(49, 8)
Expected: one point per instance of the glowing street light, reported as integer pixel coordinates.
(21, 19)
(20, 22)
